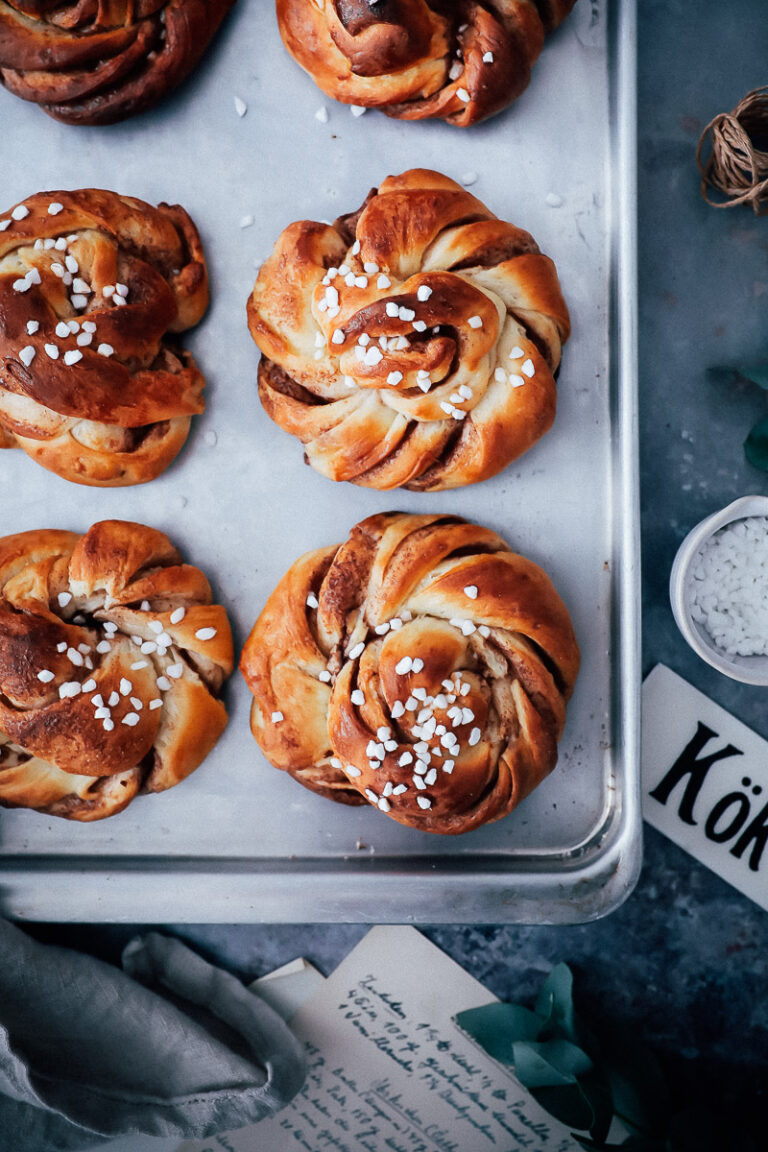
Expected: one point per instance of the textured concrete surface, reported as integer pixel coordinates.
(685, 961)
(703, 308)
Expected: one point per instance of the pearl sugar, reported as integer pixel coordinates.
(729, 587)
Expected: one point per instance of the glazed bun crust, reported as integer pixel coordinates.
(421, 666)
(99, 61)
(112, 660)
(94, 288)
(461, 61)
(413, 343)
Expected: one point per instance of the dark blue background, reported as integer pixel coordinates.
(685, 961)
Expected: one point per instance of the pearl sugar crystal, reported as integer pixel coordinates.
(729, 587)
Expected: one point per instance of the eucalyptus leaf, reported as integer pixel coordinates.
(586, 1080)
(757, 373)
(496, 1027)
(550, 1071)
(550, 1062)
(555, 1003)
(596, 1088)
(567, 1104)
(756, 446)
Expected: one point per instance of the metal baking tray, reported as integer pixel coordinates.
(239, 841)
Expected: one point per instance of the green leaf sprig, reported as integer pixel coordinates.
(589, 1082)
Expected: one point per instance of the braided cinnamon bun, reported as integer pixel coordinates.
(422, 667)
(99, 61)
(93, 288)
(459, 60)
(413, 343)
(112, 658)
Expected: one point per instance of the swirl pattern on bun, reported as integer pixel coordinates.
(421, 667)
(99, 61)
(112, 660)
(94, 288)
(413, 343)
(461, 61)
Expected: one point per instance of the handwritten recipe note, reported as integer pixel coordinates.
(390, 1072)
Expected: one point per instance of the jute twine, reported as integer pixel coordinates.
(737, 165)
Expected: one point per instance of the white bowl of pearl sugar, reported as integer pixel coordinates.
(719, 590)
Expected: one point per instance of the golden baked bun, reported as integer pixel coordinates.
(422, 667)
(112, 658)
(412, 344)
(99, 61)
(417, 59)
(93, 288)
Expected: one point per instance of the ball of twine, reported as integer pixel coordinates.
(737, 165)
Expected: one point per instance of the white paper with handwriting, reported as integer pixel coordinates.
(390, 1072)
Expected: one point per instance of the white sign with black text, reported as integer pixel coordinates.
(705, 782)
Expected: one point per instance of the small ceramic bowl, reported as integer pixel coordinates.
(747, 669)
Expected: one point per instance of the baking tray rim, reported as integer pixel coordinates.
(584, 883)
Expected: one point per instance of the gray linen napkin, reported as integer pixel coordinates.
(88, 1051)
